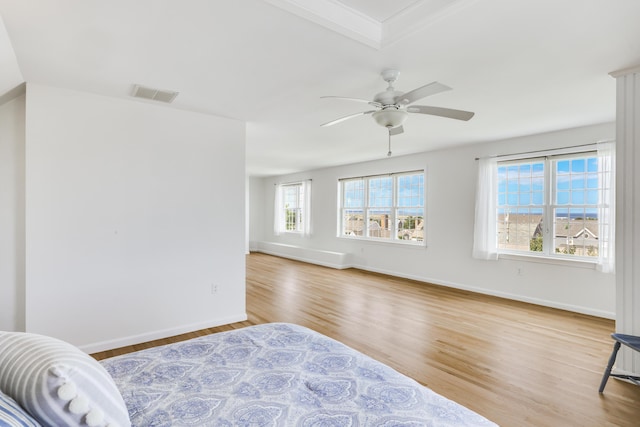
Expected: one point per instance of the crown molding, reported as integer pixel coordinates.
(625, 71)
(12, 94)
(338, 17)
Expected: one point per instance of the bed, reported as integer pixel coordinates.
(271, 375)
(275, 374)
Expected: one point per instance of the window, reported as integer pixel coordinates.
(292, 210)
(559, 206)
(383, 207)
(520, 209)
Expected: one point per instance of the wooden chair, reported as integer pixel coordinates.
(630, 341)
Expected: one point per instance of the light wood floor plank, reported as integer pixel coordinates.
(515, 363)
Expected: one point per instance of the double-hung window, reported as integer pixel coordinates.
(557, 206)
(386, 207)
(292, 210)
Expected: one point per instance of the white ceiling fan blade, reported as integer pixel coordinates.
(396, 130)
(442, 112)
(421, 92)
(374, 103)
(350, 116)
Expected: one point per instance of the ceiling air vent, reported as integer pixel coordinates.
(153, 94)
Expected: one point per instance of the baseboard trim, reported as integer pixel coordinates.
(506, 295)
(159, 334)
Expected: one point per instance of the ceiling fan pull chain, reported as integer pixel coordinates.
(389, 153)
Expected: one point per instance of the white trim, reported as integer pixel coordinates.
(419, 16)
(506, 295)
(159, 334)
(12, 94)
(336, 17)
(565, 262)
(381, 241)
(625, 71)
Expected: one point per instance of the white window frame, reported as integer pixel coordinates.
(549, 206)
(411, 237)
(301, 209)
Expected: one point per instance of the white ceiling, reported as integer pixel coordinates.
(523, 67)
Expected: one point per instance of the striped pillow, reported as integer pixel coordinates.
(12, 415)
(58, 384)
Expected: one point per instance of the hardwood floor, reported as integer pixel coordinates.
(515, 363)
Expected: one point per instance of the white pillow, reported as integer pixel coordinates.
(57, 384)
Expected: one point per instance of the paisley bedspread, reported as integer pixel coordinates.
(274, 375)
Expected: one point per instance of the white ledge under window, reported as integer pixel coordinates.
(543, 259)
(402, 243)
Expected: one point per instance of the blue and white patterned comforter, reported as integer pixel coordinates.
(274, 375)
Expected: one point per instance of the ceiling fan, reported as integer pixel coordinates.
(393, 107)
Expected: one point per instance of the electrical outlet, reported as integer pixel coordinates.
(214, 288)
(520, 272)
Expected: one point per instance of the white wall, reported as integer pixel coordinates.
(450, 180)
(133, 212)
(12, 289)
(256, 214)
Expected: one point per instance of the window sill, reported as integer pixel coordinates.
(402, 243)
(577, 263)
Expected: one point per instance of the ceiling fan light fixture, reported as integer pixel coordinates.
(390, 117)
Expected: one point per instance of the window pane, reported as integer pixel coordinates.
(290, 196)
(562, 182)
(517, 183)
(292, 200)
(537, 184)
(563, 166)
(520, 229)
(577, 197)
(410, 224)
(520, 201)
(538, 169)
(353, 222)
(538, 198)
(292, 219)
(577, 165)
(562, 198)
(353, 194)
(379, 225)
(380, 192)
(411, 190)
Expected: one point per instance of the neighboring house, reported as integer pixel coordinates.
(576, 236)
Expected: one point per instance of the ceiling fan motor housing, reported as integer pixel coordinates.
(390, 117)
